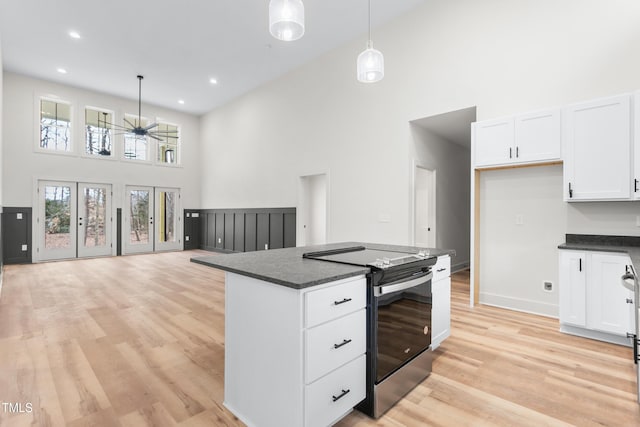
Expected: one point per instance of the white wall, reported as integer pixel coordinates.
(22, 164)
(515, 258)
(503, 56)
(452, 164)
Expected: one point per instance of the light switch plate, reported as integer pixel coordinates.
(19, 215)
(186, 238)
(25, 248)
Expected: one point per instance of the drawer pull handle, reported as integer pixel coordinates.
(341, 302)
(440, 269)
(344, 342)
(343, 394)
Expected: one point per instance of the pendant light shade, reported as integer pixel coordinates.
(370, 64)
(286, 19)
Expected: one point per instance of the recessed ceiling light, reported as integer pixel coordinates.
(213, 81)
(62, 71)
(181, 101)
(74, 34)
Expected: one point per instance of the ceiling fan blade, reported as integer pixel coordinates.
(129, 123)
(154, 137)
(151, 126)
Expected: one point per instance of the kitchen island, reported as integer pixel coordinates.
(285, 317)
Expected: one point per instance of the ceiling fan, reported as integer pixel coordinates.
(137, 129)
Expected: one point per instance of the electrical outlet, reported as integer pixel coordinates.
(219, 239)
(547, 286)
(25, 248)
(19, 215)
(186, 238)
(266, 246)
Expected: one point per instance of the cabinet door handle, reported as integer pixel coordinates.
(517, 152)
(440, 269)
(580, 264)
(629, 301)
(570, 191)
(341, 395)
(635, 185)
(341, 302)
(510, 153)
(344, 342)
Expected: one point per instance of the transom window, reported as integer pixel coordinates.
(168, 145)
(55, 125)
(136, 147)
(98, 132)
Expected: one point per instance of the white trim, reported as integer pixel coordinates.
(520, 304)
(432, 206)
(38, 98)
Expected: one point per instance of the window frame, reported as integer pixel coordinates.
(150, 151)
(178, 153)
(114, 138)
(38, 125)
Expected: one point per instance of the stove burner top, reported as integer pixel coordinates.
(361, 256)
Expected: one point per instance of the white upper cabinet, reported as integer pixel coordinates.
(524, 138)
(597, 139)
(635, 182)
(538, 136)
(493, 142)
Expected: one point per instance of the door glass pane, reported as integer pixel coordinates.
(95, 216)
(57, 216)
(139, 206)
(167, 223)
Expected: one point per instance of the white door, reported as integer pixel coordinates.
(138, 223)
(312, 223)
(94, 219)
(573, 288)
(597, 136)
(57, 220)
(425, 208)
(167, 219)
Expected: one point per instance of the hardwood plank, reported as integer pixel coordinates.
(139, 340)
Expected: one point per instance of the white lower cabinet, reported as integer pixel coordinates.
(294, 357)
(593, 302)
(441, 299)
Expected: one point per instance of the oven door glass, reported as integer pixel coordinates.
(403, 327)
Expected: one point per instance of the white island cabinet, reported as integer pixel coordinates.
(441, 308)
(294, 357)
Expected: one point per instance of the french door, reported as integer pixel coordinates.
(74, 220)
(152, 219)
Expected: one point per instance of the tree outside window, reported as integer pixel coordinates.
(55, 125)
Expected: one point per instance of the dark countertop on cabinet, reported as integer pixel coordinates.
(621, 244)
(287, 267)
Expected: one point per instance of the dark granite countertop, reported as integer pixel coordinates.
(287, 267)
(591, 242)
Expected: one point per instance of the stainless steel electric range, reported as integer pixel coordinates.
(398, 321)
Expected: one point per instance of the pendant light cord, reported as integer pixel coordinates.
(369, 41)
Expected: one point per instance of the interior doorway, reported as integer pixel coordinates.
(424, 197)
(74, 220)
(312, 210)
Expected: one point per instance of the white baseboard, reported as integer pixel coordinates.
(460, 266)
(520, 304)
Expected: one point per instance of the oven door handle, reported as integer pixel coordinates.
(401, 286)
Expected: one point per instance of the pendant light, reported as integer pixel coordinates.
(286, 19)
(370, 64)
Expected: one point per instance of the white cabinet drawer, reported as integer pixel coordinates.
(334, 395)
(335, 343)
(330, 303)
(442, 268)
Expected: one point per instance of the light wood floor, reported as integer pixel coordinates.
(139, 340)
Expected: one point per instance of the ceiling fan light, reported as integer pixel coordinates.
(370, 65)
(286, 19)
